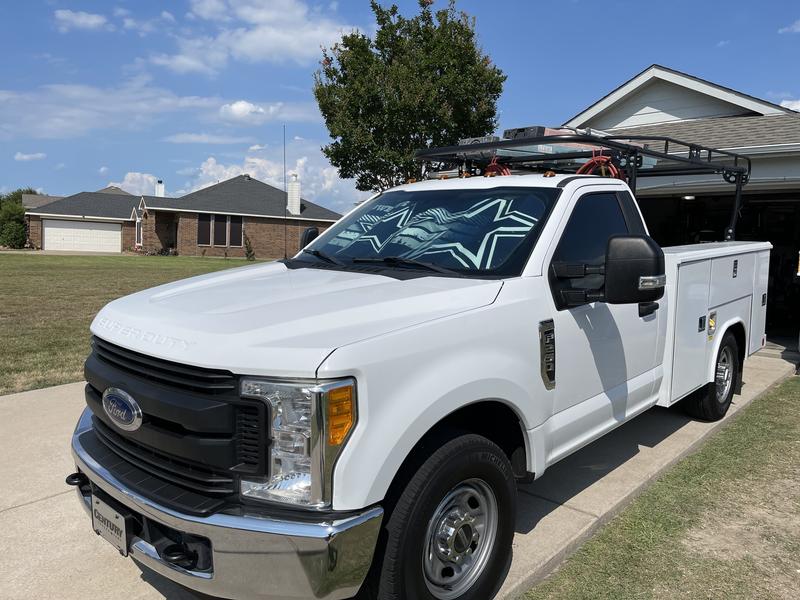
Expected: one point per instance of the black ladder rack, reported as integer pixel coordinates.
(637, 156)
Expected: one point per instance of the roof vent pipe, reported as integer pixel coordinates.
(293, 195)
(159, 189)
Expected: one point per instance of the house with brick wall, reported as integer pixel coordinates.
(213, 221)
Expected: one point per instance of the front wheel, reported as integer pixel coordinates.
(449, 535)
(713, 403)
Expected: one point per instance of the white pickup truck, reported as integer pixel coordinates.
(354, 419)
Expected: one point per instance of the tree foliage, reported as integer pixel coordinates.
(12, 235)
(419, 82)
(12, 218)
(249, 253)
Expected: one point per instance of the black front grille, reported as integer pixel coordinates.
(197, 379)
(163, 466)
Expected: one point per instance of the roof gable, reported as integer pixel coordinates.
(660, 95)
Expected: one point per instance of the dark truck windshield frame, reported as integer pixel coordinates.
(483, 233)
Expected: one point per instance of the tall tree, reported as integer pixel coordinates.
(419, 82)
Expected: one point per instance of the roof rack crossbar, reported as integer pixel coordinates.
(695, 158)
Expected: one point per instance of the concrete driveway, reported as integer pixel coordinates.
(49, 550)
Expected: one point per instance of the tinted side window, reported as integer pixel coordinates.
(203, 229)
(595, 218)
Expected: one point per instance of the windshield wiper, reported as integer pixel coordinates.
(321, 255)
(409, 262)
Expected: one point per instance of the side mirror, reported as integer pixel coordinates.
(309, 235)
(634, 270)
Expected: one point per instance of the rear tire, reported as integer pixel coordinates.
(449, 534)
(713, 403)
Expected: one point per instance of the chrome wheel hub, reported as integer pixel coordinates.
(724, 375)
(456, 536)
(460, 539)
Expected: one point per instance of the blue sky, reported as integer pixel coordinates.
(195, 91)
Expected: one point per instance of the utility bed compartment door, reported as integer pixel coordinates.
(690, 363)
(758, 319)
(731, 278)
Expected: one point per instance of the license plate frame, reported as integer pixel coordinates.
(112, 523)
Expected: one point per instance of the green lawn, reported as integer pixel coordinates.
(48, 302)
(724, 523)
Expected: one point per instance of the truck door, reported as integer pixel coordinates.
(605, 354)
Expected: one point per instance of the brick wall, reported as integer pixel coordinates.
(128, 235)
(149, 237)
(266, 236)
(34, 231)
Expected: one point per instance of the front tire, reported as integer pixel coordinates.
(450, 532)
(713, 403)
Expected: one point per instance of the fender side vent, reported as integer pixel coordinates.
(547, 353)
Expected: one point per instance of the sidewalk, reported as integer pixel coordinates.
(49, 550)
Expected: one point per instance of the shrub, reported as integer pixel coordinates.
(13, 235)
(249, 253)
(11, 211)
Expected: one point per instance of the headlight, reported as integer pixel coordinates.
(309, 424)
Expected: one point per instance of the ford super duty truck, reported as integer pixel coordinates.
(353, 420)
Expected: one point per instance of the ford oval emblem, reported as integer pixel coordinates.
(122, 409)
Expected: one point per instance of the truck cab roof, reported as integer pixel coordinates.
(514, 180)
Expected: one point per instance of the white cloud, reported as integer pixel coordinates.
(67, 20)
(793, 28)
(257, 147)
(205, 138)
(28, 157)
(102, 170)
(253, 31)
(247, 112)
(59, 111)
(243, 112)
(791, 104)
(60, 166)
(215, 10)
(138, 184)
(723, 43)
(144, 27)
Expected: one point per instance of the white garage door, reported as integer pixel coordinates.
(82, 236)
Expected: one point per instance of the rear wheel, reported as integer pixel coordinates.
(449, 534)
(713, 403)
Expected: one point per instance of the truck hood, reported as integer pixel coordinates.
(272, 320)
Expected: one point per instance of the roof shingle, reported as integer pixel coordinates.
(241, 195)
(726, 132)
(92, 204)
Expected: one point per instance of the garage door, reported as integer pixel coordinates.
(82, 236)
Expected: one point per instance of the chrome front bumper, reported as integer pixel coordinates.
(253, 556)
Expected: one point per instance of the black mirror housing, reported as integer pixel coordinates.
(634, 270)
(309, 235)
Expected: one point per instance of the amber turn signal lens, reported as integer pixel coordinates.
(341, 414)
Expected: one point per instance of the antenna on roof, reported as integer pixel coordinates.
(285, 195)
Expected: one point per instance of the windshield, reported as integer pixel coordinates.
(469, 232)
